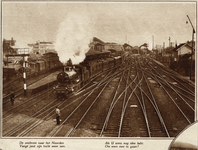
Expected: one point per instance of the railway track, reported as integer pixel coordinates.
(18, 84)
(26, 104)
(156, 125)
(83, 107)
(30, 123)
(138, 99)
(26, 109)
(180, 104)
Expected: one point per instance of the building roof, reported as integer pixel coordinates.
(8, 41)
(94, 52)
(111, 43)
(126, 45)
(136, 47)
(46, 42)
(181, 45)
(176, 48)
(190, 43)
(41, 43)
(95, 39)
(20, 47)
(99, 43)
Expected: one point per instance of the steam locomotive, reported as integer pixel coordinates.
(73, 77)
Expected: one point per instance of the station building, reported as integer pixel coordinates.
(181, 50)
(99, 49)
(42, 47)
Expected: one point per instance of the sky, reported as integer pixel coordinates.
(134, 23)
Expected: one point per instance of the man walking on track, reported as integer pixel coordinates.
(57, 115)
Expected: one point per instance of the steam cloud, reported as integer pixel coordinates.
(73, 38)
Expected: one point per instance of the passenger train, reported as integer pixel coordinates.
(73, 77)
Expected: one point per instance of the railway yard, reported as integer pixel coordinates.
(137, 98)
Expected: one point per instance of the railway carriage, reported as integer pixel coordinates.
(33, 66)
(74, 77)
(41, 65)
(85, 73)
(111, 62)
(108, 63)
(95, 68)
(105, 65)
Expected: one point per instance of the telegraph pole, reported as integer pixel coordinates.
(153, 42)
(163, 50)
(192, 47)
(191, 65)
(24, 76)
(153, 47)
(170, 48)
(23, 54)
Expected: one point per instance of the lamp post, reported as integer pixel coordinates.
(170, 52)
(192, 47)
(195, 119)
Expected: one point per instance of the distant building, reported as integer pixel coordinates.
(190, 43)
(97, 45)
(103, 50)
(145, 51)
(114, 46)
(136, 50)
(8, 47)
(127, 47)
(97, 50)
(155, 52)
(181, 50)
(12, 53)
(42, 47)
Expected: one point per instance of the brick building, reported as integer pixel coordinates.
(8, 47)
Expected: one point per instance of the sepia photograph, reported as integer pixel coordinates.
(119, 73)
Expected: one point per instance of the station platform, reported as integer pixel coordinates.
(43, 84)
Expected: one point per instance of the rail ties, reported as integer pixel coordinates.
(137, 100)
(88, 99)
